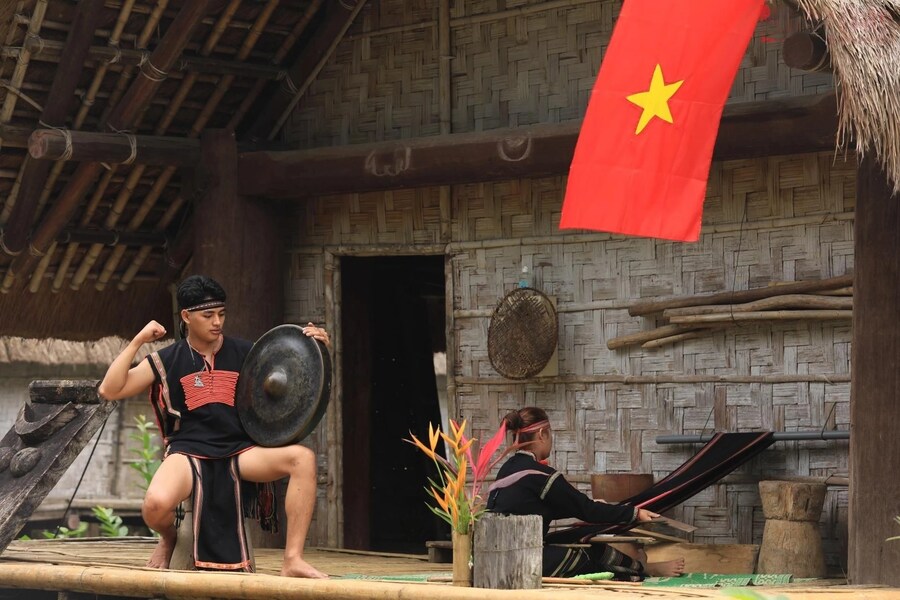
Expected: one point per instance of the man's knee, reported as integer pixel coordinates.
(303, 461)
(156, 507)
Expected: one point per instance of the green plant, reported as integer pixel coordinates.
(110, 522)
(896, 537)
(147, 452)
(65, 532)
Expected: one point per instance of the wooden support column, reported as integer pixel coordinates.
(237, 240)
(875, 391)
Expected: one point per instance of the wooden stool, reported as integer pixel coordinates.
(791, 542)
(183, 555)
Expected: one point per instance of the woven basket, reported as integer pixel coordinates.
(523, 334)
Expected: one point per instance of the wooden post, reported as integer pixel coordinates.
(237, 241)
(874, 498)
(791, 541)
(508, 552)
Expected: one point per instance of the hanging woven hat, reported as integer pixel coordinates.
(523, 334)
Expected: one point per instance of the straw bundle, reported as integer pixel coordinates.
(864, 42)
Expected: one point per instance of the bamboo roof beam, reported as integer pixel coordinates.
(141, 44)
(50, 50)
(328, 35)
(747, 130)
(122, 117)
(87, 101)
(58, 145)
(285, 47)
(18, 74)
(112, 237)
(88, 15)
(86, 217)
(125, 195)
(202, 119)
(13, 90)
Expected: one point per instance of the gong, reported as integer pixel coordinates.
(284, 386)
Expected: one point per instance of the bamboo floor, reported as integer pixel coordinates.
(115, 568)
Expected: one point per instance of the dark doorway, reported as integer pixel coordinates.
(392, 325)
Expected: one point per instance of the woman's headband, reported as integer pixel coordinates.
(535, 426)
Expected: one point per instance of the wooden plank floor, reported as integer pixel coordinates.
(115, 568)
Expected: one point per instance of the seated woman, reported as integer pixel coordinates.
(525, 485)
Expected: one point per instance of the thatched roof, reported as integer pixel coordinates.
(864, 42)
(56, 352)
(99, 252)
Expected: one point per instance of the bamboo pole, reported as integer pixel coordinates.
(830, 379)
(283, 49)
(796, 287)
(163, 179)
(314, 72)
(53, 50)
(61, 97)
(205, 114)
(124, 115)
(63, 269)
(796, 301)
(87, 102)
(645, 336)
(764, 315)
(9, 105)
(671, 339)
(57, 145)
(244, 586)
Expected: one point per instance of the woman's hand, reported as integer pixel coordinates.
(644, 516)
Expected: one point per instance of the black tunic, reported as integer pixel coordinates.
(527, 487)
(194, 401)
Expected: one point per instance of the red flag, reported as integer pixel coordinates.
(643, 154)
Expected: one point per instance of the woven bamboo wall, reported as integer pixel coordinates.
(765, 220)
(513, 62)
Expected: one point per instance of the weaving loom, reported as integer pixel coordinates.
(721, 455)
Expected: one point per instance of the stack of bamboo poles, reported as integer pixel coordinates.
(689, 317)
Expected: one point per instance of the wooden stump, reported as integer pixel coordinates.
(791, 542)
(615, 487)
(508, 552)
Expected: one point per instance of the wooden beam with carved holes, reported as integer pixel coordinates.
(747, 130)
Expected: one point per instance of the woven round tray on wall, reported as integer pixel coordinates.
(523, 334)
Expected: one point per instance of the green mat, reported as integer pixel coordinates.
(419, 577)
(707, 580)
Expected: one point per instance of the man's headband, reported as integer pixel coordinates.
(206, 305)
(535, 426)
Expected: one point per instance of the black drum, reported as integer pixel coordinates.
(284, 386)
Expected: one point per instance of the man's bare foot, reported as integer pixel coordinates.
(300, 568)
(669, 568)
(162, 554)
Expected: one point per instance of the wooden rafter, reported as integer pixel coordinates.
(87, 17)
(55, 51)
(122, 117)
(747, 130)
(336, 21)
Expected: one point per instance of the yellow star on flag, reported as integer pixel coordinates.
(655, 101)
